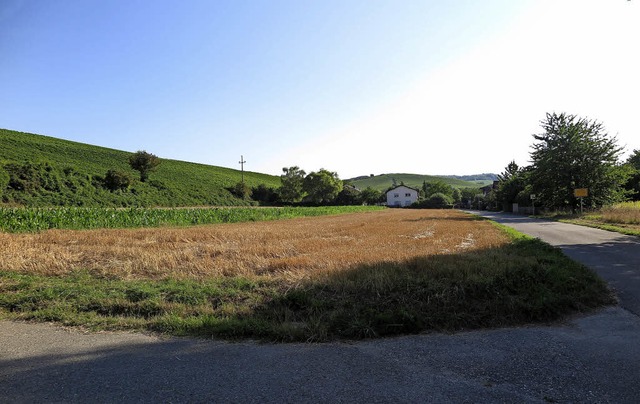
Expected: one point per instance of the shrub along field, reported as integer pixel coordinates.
(360, 275)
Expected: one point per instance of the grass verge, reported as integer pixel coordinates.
(521, 282)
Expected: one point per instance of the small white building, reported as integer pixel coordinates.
(401, 195)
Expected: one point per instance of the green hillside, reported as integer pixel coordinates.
(385, 181)
(46, 171)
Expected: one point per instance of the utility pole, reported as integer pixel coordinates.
(241, 162)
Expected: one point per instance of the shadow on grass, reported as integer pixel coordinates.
(524, 282)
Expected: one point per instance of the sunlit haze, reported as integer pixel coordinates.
(358, 87)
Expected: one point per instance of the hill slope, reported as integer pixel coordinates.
(384, 181)
(47, 171)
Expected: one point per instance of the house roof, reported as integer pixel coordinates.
(401, 186)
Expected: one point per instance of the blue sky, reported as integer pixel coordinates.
(357, 87)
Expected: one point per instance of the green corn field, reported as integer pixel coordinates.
(17, 220)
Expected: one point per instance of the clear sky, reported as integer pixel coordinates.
(354, 86)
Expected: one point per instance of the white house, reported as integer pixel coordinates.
(401, 195)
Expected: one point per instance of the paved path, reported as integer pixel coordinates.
(615, 257)
(588, 359)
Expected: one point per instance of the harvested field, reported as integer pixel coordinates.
(361, 275)
(293, 248)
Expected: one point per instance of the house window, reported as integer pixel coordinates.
(396, 195)
(408, 194)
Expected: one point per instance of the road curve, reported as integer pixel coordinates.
(614, 256)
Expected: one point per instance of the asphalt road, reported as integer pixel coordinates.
(615, 257)
(593, 358)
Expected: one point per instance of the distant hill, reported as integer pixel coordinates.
(384, 181)
(47, 171)
(479, 179)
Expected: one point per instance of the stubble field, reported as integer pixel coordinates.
(345, 276)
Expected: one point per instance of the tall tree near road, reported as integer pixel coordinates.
(511, 182)
(633, 184)
(144, 163)
(572, 153)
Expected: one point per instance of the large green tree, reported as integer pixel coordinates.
(435, 187)
(511, 183)
(322, 186)
(633, 184)
(371, 196)
(292, 180)
(144, 163)
(572, 153)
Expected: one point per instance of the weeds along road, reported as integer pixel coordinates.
(615, 257)
(592, 358)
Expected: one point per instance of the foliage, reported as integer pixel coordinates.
(116, 180)
(349, 195)
(633, 183)
(322, 186)
(457, 196)
(37, 219)
(53, 172)
(241, 190)
(292, 180)
(144, 162)
(4, 180)
(435, 201)
(511, 186)
(264, 195)
(371, 196)
(437, 187)
(575, 153)
(468, 196)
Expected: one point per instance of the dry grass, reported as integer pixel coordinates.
(625, 213)
(292, 249)
(311, 279)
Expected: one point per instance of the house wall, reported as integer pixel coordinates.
(401, 196)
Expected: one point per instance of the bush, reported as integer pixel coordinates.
(4, 180)
(241, 190)
(435, 201)
(116, 180)
(264, 194)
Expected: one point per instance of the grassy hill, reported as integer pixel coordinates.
(46, 171)
(384, 181)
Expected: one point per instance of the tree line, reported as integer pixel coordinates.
(572, 153)
(322, 187)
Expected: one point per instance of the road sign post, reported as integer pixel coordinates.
(580, 193)
(533, 203)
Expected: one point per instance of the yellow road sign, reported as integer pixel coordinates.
(581, 192)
